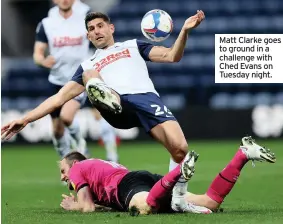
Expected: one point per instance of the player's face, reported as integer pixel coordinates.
(64, 169)
(65, 5)
(100, 33)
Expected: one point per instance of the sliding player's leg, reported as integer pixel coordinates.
(165, 184)
(226, 179)
(147, 202)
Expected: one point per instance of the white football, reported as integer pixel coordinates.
(156, 25)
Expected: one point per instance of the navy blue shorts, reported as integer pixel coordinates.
(54, 89)
(139, 110)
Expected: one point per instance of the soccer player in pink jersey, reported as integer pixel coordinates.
(112, 185)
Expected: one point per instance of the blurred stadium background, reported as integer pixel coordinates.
(213, 116)
(204, 109)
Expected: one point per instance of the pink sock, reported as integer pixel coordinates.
(163, 187)
(226, 179)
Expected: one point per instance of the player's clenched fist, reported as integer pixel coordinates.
(194, 21)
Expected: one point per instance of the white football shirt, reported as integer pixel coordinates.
(78, 7)
(67, 42)
(122, 67)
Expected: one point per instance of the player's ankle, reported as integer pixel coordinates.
(180, 190)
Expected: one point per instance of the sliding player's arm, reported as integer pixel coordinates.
(66, 93)
(40, 47)
(176, 52)
(78, 183)
(83, 202)
(71, 203)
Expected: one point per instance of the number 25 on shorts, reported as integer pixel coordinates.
(160, 111)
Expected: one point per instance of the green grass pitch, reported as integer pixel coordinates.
(31, 190)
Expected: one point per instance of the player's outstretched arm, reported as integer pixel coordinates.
(67, 92)
(176, 52)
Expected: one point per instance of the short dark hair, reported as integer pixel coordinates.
(70, 157)
(94, 15)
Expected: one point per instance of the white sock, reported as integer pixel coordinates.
(80, 143)
(108, 136)
(62, 145)
(74, 130)
(180, 187)
(172, 164)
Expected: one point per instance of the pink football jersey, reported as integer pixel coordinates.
(102, 177)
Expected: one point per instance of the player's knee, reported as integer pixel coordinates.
(178, 156)
(87, 75)
(140, 210)
(180, 151)
(66, 120)
(138, 204)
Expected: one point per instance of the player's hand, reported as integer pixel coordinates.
(194, 21)
(48, 62)
(12, 128)
(69, 197)
(68, 202)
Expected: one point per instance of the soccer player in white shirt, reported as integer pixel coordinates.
(118, 84)
(107, 132)
(77, 7)
(68, 45)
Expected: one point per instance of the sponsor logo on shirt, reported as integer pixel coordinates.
(73, 185)
(111, 58)
(67, 41)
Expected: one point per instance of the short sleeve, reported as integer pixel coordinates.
(78, 76)
(144, 49)
(52, 11)
(40, 33)
(76, 178)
